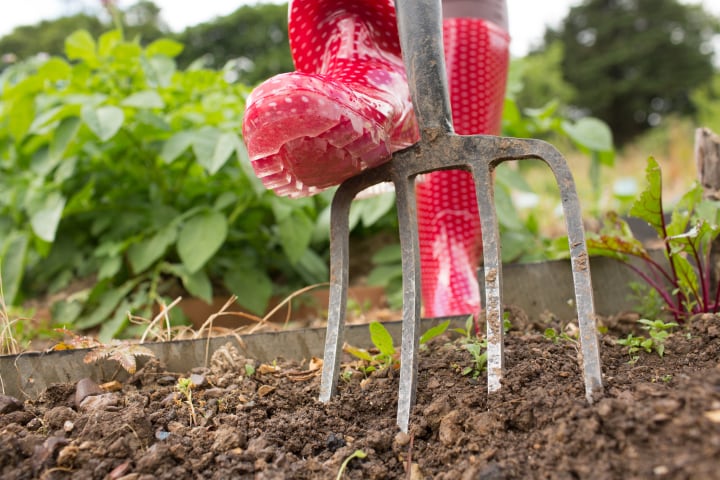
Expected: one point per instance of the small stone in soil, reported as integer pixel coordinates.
(9, 404)
(335, 441)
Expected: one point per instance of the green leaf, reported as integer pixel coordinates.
(382, 275)
(252, 287)
(616, 240)
(381, 338)
(198, 285)
(54, 69)
(146, 252)
(224, 148)
(511, 178)
(81, 46)
(360, 353)
(22, 112)
(435, 331)
(591, 133)
(176, 145)
(65, 312)
(45, 220)
(649, 205)
(116, 323)
(200, 237)
(312, 268)
(159, 70)
(164, 46)
(144, 99)
(108, 41)
(389, 254)
(375, 207)
(109, 268)
(507, 214)
(63, 135)
(107, 305)
(104, 122)
(295, 232)
(12, 265)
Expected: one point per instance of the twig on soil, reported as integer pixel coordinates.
(409, 458)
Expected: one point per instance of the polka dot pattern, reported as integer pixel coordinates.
(476, 54)
(347, 106)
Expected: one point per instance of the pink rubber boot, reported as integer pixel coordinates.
(346, 108)
(476, 53)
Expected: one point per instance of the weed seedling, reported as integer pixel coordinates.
(555, 337)
(475, 346)
(185, 386)
(658, 332)
(387, 355)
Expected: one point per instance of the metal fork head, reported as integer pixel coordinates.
(419, 22)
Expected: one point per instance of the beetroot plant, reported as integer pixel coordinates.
(683, 280)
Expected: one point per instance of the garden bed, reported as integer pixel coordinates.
(260, 418)
(659, 419)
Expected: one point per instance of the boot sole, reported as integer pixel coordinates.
(292, 120)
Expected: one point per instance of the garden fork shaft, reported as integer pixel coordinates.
(419, 23)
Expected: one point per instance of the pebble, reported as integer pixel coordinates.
(197, 379)
(85, 388)
(402, 439)
(106, 401)
(9, 404)
(450, 431)
(166, 380)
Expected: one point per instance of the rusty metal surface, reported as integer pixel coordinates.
(419, 22)
(28, 374)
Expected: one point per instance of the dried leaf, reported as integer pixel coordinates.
(265, 368)
(75, 342)
(265, 390)
(113, 386)
(315, 364)
(122, 352)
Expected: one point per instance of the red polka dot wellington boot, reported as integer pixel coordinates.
(347, 106)
(476, 54)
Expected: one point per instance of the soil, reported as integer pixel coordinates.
(659, 418)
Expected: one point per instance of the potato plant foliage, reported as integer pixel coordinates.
(117, 167)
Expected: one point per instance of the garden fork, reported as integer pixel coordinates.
(419, 24)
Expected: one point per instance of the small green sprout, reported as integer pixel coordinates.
(185, 386)
(658, 331)
(356, 454)
(387, 355)
(555, 337)
(475, 346)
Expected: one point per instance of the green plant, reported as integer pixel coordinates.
(658, 332)
(387, 356)
(475, 346)
(684, 283)
(555, 337)
(122, 172)
(185, 386)
(356, 454)
(646, 300)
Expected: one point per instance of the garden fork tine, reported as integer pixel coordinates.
(419, 23)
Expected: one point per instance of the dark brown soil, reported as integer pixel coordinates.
(660, 418)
